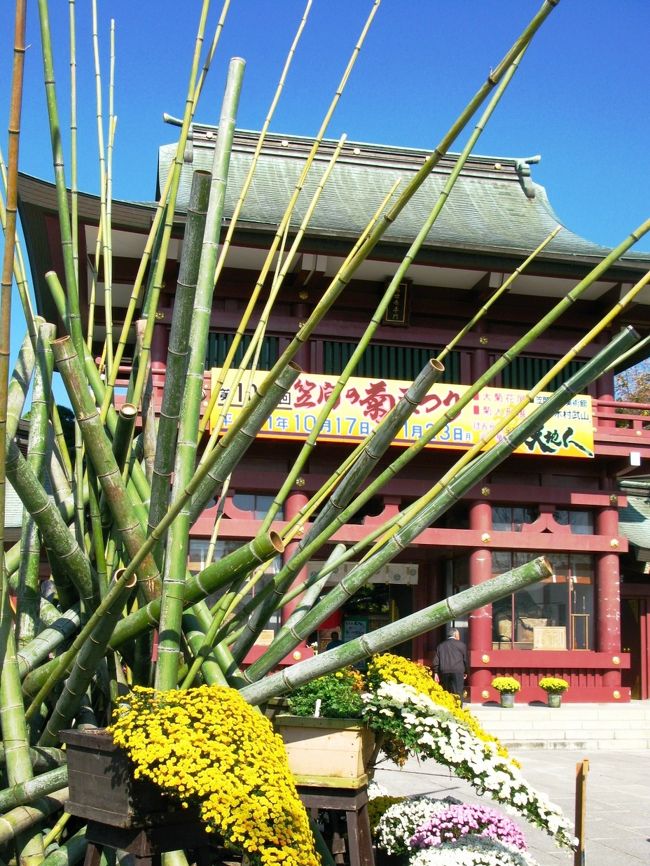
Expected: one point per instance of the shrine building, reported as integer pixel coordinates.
(562, 494)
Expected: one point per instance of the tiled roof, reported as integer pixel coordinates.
(634, 520)
(495, 206)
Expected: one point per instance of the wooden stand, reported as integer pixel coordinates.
(147, 844)
(354, 804)
(127, 814)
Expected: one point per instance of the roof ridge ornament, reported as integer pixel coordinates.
(522, 167)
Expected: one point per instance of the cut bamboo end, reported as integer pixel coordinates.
(276, 541)
(437, 365)
(130, 583)
(128, 411)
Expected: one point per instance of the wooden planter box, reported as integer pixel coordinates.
(327, 752)
(103, 789)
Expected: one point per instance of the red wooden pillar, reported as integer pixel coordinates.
(608, 596)
(480, 620)
(294, 502)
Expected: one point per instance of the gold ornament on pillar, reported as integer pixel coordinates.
(616, 694)
(485, 658)
(486, 538)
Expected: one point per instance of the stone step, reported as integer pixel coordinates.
(575, 726)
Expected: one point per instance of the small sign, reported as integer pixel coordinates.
(397, 309)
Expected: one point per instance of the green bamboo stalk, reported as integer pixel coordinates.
(56, 831)
(185, 460)
(362, 572)
(48, 640)
(135, 295)
(41, 759)
(10, 716)
(347, 271)
(525, 401)
(136, 384)
(503, 288)
(374, 447)
(72, 851)
(231, 448)
(28, 596)
(23, 818)
(108, 294)
(395, 282)
(311, 593)
(72, 293)
(286, 218)
(18, 387)
(26, 792)
(395, 633)
(83, 669)
(59, 543)
(177, 354)
(413, 450)
(100, 454)
(97, 534)
(74, 185)
(243, 194)
(210, 670)
(212, 578)
(20, 271)
(255, 345)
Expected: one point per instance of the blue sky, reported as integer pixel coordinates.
(579, 99)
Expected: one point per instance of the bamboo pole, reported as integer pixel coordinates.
(20, 271)
(41, 759)
(28, 595)
(83, 669)
(374, 447)
(350, 266)
(99, 452)
(178, 351)
(453, 411)
(185, 460)
(23, 818)
(103, 186)
(136, 385)
(48, 640)
(255, 345)
(361, 573)
(405, 629)
(7, 275)
(26, 792)
(73, 319)
(74, 185)
(286, 218)
(228, 569)
(231, 448)
(59, 543)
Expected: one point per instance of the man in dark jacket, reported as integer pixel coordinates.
(450, 664)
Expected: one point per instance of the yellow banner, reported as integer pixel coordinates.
(365, 402)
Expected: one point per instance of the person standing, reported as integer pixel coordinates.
(450, 664)
(335, 641)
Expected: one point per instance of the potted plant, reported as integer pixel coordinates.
(507, 688)
(324, 733)
(554, 688)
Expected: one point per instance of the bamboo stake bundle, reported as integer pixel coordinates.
(70, 658)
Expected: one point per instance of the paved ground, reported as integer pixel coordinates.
(618, 800)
